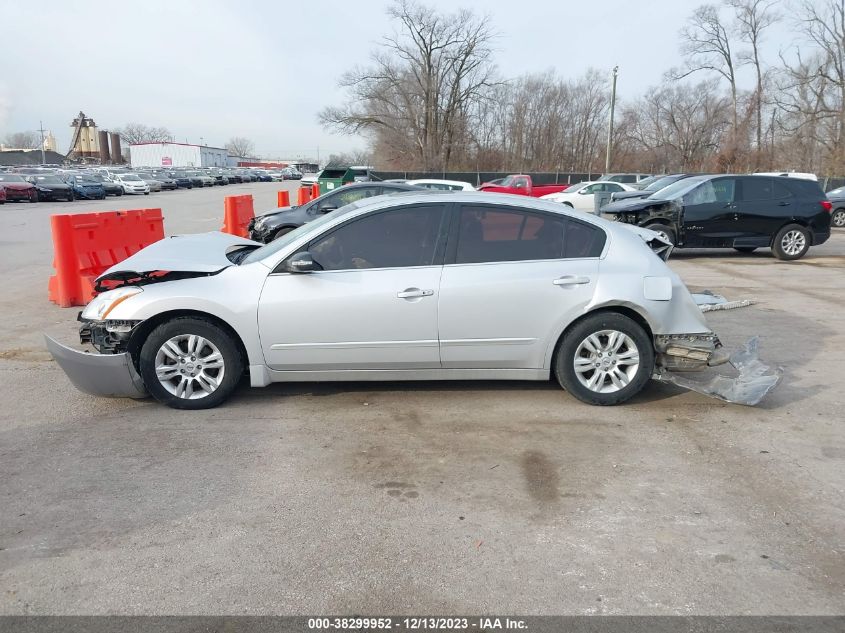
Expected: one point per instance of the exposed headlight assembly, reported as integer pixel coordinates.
(103, 304)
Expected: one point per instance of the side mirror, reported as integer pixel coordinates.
(302, 262)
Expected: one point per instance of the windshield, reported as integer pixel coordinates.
(658, 184)
(49, 180)
(288, 238)
(836, 192)
(129, 177)
(10, 178)
(575, 187)
(677, 189)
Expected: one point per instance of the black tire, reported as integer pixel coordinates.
(146, 193)
(837, 219)
(564, 365)
(282, 231)
(666, 231)
(34, 197)
(233, 364)
(790, 238)
(745, 249)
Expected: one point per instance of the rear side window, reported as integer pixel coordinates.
(757, 188)
(496, 234)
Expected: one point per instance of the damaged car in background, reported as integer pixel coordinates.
(414, 286)
(788, 215)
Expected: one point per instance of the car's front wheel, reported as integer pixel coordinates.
(791, 242)
(190, 363)
(282, 231)
(664, 231)
(605, 359)
(838, 218)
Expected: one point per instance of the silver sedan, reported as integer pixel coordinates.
(418, 286)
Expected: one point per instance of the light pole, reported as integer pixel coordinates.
(610, 127)
(41, 129)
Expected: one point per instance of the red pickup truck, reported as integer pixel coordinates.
(521, 185)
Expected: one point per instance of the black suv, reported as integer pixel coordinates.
(273, 224)
(743, 212)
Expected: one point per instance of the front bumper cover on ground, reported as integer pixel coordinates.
(754, 380)
(111, 375)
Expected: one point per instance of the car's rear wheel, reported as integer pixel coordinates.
(791, 242)
(838, 218)
(605, 359)
(667, 233)
(745, 249)
(190, 363)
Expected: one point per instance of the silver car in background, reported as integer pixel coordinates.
(416, 286)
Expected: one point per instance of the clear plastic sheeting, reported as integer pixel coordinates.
(754, 380)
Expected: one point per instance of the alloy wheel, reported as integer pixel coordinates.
(189, 366)
(606, 361)
(793, 242)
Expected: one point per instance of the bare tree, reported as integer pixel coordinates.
(677, 127)
(752, 18)
(240, 147)
(23, 140)
(424, 79)
(706, 46)
(355, 157)
(133, 133)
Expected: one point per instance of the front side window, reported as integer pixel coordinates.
(390, 239)
(711, 192)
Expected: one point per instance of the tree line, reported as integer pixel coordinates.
(430, 99)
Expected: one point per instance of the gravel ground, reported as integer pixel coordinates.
(425, 497)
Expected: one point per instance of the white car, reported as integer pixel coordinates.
(416, 286)
(582, 195)
(132, 184)
(442, 185)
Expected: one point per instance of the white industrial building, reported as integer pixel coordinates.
(176, 155)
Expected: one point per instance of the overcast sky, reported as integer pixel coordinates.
(263, 70)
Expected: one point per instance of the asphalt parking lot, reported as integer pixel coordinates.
(465, 498)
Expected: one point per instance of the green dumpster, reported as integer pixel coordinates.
(334, 176)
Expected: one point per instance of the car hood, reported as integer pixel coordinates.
(200, 253)
(630, 195)
(16, 185)
(273, 212)
(53, 185)
(637, 204)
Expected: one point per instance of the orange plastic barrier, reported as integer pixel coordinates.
(315, 190)
(86, 244)
(303, 195)
(237, 212)
(283, 199)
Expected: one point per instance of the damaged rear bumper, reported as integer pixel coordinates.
(753, 381)
(111, 375)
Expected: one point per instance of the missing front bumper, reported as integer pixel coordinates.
(109, 375)
(754, 380)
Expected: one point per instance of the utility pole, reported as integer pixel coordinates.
(610, 127)
(41, 129)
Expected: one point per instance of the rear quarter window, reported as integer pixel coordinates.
(804, 188)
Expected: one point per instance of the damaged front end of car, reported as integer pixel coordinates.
(112, 371)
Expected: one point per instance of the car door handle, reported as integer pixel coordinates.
(571, 280)
(784, 204)
(412, 293)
